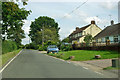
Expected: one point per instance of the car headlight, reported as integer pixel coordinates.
(57, 49)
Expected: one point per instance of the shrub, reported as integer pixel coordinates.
(8, 46)
(66, 47)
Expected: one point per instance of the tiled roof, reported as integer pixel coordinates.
(109, 31)
(79, 30)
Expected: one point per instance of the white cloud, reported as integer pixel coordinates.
(26, 29)
(109, 5)
(89, 19)
(67, 16)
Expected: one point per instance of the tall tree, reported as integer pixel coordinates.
(46, 24)
(12, 16)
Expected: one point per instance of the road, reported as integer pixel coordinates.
(33, 64)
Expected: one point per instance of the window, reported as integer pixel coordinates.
(103, 40)
(106, 38)
(115, 38)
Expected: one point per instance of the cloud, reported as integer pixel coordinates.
(67, 16)
(108, 5)
(89, 19)
(26, 29)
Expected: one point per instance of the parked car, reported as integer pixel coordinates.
(52, 48)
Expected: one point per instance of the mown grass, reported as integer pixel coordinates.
(7, 56)
(84, 55)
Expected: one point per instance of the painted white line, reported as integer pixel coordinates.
(10, 62)
(68, 61)
(85, 68)
(98, 72)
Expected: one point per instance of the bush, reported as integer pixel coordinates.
(41, 48)
(32, 46)
(8, 46)
(66, 47)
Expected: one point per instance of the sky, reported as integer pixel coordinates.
(102, 12)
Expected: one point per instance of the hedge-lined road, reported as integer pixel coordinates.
(33, 64)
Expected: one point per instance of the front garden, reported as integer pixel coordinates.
(84, 55)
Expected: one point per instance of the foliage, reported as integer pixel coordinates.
(66, 40)
(75, 45)
(16, 33)
(12, 16)
(88, 38)
(32, 46)
(8, 46)
(44, 26)
(44, 48)
(66, 47)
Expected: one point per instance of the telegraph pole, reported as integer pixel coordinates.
(42, 35)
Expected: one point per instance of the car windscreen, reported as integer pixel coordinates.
(52, 46)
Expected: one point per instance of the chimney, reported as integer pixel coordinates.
(92, 22)
(112, 22)
(77, 28)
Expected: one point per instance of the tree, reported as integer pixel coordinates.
(88, 38)
(16, 33)
(44, 25)
(12, 23)
(66, 40)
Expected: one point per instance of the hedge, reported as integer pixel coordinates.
(8, 46)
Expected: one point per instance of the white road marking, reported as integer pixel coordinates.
(85, 68)
(10, 62)
(98, 72)
(68, 61)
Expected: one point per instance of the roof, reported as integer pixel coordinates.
(79, 30)
(109, 31)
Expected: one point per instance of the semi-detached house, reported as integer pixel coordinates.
(111, 33)
(79, 34)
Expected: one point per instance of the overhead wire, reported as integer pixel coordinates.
(74, 10)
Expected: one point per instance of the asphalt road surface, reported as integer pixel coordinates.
(33, 64)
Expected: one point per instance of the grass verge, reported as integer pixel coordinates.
(84, 55)
(6, 57)
(110, 68)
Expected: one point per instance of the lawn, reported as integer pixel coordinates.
(84, 55)
(6, 57)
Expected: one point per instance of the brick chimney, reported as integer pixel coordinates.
(77, 28)
(112, 22)
(92, 22)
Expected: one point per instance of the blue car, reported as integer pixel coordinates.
(52, 48)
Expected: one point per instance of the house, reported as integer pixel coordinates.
(110, 33)
(79, 34)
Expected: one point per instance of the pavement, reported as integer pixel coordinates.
(102, 64)
(34, 64)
